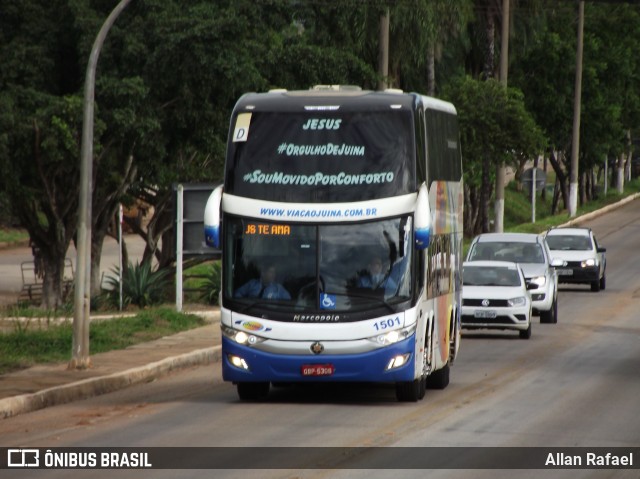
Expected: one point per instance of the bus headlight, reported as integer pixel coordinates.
(241, 337)
(238, 362)
(398, 361)
(392, 337)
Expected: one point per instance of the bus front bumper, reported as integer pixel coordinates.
(391, 363)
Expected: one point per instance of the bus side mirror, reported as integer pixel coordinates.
(212, 218)
(422, 219)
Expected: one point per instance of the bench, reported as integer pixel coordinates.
(31, 291)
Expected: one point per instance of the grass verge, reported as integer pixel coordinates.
(30, 343)
(13, 236)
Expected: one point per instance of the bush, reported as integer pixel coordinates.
(141, 286)
(211, 284)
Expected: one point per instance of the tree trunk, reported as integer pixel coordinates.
(561, 178)
(489, 54)
(620, 173)
(485, 194)
(543, 194)
(53, 260)
(471, 211)
(431, 70)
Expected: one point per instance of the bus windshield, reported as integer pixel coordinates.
(317, 268)
(322, 156)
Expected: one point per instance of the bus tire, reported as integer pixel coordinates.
(439, 379)
(411, 391)
(253, 391)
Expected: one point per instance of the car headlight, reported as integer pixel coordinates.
(588, 262)
(241, 337)
(394, 336)
(539, 280)
(519, 301)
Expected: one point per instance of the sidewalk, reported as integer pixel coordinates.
(47, 385)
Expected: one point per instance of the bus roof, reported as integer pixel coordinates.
(328, 99)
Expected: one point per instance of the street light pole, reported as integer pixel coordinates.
(501, 172)
(575, 139)
(82, 296)
(383, 51)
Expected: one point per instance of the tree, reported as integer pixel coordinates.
(426, 25)
(38, 177)
(495, 127)
(40, 118)
(545, 72)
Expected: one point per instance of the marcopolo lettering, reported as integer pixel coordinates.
(317, 318)
(322, 124)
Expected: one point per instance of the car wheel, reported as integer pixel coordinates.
(253, 391)
(595, 286)
(551, 316)
(603, 282)
(526, 334)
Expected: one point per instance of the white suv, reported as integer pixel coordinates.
(531, 252)
(578, 257)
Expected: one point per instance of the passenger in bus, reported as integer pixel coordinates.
(375, 277)
(266, 287)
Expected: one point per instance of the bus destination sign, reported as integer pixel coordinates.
(267, 229)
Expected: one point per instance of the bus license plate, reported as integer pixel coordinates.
(317, 369)
(485, 314)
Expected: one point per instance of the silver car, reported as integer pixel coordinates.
(580, 259)
(531, 252)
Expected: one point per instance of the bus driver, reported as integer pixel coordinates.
(266, 287)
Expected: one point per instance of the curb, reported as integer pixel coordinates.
(87, 388)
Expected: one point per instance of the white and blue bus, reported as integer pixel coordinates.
(340, 225)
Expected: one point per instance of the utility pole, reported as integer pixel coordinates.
(575, 140)
(501, 173)
(82, 296)
(383, 51)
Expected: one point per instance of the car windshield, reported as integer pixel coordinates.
(317, 268)
(569, 242)
(513, 251)
(490, 276)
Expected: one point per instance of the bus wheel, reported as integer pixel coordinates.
(439, 379)
(411, 391)
(253, 391)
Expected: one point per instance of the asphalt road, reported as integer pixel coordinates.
(573, 384)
